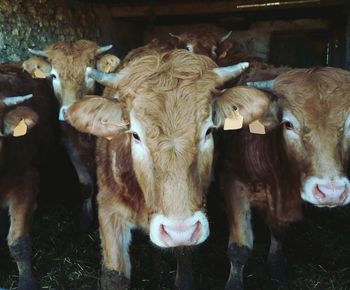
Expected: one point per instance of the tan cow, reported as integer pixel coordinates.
(65, 63)
(304, 156)
(155, 151)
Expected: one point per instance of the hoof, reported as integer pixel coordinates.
(87, 215)
(28, 285)
(234, 283)
(113, 280)
(278, 268)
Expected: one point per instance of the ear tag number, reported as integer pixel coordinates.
(234, 122)
(257, 128)
(20, 129)
(38, 73)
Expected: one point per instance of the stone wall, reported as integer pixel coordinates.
(37, 23)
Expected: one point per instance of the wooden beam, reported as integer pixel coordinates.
(217, 7)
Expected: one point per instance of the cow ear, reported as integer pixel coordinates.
(252, 103)
(108, 63)
(224, 48)
(18, 121)
(97, 115)
(37, 67)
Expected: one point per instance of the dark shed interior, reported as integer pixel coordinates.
(296, 33)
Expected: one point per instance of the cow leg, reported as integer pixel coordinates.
(276, 259)
(115, 236)
(240, 231)
(184, 278)
(4, 224)
(21, 208)
(86, 186)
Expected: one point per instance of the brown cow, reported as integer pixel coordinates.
(66, 63)
(154, 169)
(217, 45)
(21, 157)
(304, 156)
(209, 41)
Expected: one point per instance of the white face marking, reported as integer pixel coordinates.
(206, 141)
(347, 127)
(189, 47)
(89, 82)
(213, 50)
(289, 117)
(139, 148)
(56, 82)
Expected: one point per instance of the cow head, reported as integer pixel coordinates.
(168, 107)
(207, 43)
(65, 63)
(313, 106)
(13, 116)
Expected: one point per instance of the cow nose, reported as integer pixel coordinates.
(331, 193)
(181, 234)
(168, 232)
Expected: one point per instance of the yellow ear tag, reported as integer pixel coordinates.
(108, 68)
(21, 129)
(234, 122)
(257, 128)
(38, 73)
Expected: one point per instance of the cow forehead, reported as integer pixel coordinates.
(173, 115)
(169, 84)
(71, 58)
(316, 96)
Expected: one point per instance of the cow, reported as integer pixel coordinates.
(209, 41)
(155, 149)
(221, 48)
(65, 63)
(304, 156)
(26, 138)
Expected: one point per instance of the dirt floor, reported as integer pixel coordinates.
(317, 249)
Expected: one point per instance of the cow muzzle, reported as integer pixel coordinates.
(327, 192)
(171, 232)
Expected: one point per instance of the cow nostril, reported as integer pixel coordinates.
(319, 193)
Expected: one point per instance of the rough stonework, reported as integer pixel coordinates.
(37, 23)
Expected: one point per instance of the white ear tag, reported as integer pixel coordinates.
(20, 129)
(257, 128)
(234, 122)
(38, 73)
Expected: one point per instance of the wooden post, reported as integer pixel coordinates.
(347, 41)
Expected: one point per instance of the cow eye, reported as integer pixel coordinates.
(136, 137)
(288, 125)
(209, 131)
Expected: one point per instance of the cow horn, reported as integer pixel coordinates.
(106, 79)
(37, 52)
(11, 101)
(175, 36)
(103, 49)
(226, 36)
(268, 85)
(229, 72)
